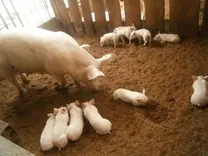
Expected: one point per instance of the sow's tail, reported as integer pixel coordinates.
(107, 58)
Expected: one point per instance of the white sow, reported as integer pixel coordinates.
(109, 39)
(171, 38)
(200, 95)
(142, 34)
(75, 128)
(135, 98)
(59, 133)
(35, 50)
(101, 125)
(46, 139)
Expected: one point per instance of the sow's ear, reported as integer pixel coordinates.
(93, 73)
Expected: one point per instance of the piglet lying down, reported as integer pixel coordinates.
(30, 50)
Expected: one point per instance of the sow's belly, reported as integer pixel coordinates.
(27, 61)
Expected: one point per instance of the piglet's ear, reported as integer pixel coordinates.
(50, 114)
(194, 78)
(93, 73)
(55, 111)
(143, 91)
(92, 102)
(206, 77)
(77, 103)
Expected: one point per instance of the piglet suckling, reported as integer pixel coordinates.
(59, 132)
(133, 97)
(46, 139)
(76, 124)
(101, 125)
(200, 94)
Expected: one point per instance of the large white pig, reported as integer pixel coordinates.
(101, 125)
(124, 31)
(164, 37)
(200, 95)
(76, 124)
(59, 132)
(133, 97)
(29, 50)
(46, 139)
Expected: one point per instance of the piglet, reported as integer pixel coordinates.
(171, 38)
(142, 34)
(59, 133)
(101, 125)
(124, 31)
(135, 98)
(75, 128)
(200, 95)
(46, 139)
(109, 39)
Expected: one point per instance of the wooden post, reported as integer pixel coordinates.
(155, 10)
(205, 19)
(55, 10)
(87, 17)
(100, 22)
(76, 17)
(132, 12)
(114, 10)
(64, 16)
(184, 17)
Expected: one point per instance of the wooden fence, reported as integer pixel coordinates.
(77, 18)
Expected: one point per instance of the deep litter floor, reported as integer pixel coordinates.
(167, 126)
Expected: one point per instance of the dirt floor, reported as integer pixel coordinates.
(167, 126)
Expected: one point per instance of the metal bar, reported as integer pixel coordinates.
(37, 9)
(16, 13)
(8, 12)
(45, 7)
(4, 21)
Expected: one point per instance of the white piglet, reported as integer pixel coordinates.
(59, 133)
(109, 39)
(200, 95)
(35, 50)
(101, 125)
(135, 98)
(75, 128)
(142, 34)
(46, 139)
(171, 38)
(124, 31)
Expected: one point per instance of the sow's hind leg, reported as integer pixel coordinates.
(7, 72)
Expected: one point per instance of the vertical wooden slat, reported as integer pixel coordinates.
(100, 22)
(55, 10)
(64, 16)
(76, 17)
(205, 19)
(114, 13)
(87, 17)
(184, 17)
(155, 10)
(132, 12)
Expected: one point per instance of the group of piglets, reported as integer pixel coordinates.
(130, 32)
(57, 132)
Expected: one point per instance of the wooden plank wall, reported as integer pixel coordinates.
(76, 17)
(155, 10)
(98, 9)
(88, 24)
(114, 10)
(204, 29)
(64, 16)
(133, 13)
(184, 17)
